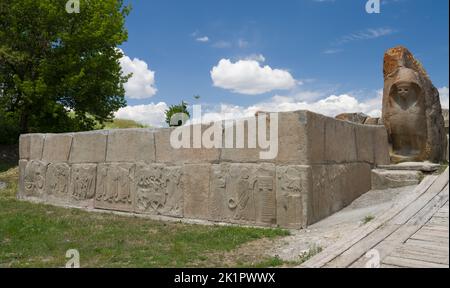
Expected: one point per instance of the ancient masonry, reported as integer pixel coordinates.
(323, 164)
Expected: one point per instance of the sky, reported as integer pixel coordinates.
(243, 56)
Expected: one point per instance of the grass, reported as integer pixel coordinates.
(36, 235)
(368, 219)
(123, 124)
(313, 251)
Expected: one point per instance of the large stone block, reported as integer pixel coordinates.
(293, 141)
(365, 143)
(340, 142)
(195, 184)
(114, 187)
(244, 149)
(293, 186)
(165, 153)
(158, 190)
(82, 187)
(335, 187)
(243, 193)
(381, 146)
(89, 147)
(131, 145)
(31, 146)
(57, 147)
(386, 179)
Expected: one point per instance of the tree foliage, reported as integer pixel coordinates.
(177, 115)
(52, 62)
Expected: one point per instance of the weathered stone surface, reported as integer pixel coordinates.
(359, 118)
(293, 186)
(385, 179)
(3, 185)
(244, 147)
(336, 186)
(381, 146)
(412, 166)
(445, 114)
(195, 184)
(34, 178)
(57, 182)
(31, 146)
(57, 147)
(373, 121)
(158, 190)
(412, 111)
(88, 147)
(114, 187)
(340, 143)
(131, 145)
(82, 187)
(21, 186)
(364, 144)
(165, 153)
(243, 193)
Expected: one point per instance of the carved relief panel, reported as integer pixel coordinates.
(292, 193)
(35, 178)
(57, 180)
(114, 187)
(83, 180)
(158, 190)
(243, 193)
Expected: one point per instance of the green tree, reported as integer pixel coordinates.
(53, 62)
(177, 115)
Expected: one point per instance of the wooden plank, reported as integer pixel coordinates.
(410, 253)
(410, 263)
(430, 238)
(430, 249)
(385, 240)
(433, 232)
(341, 246)
(428, 245)
(413, 225)
(436, 228)
(386, 266)
(439, 222)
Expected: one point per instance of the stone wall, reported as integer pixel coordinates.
(323, 164)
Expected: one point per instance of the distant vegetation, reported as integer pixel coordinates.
(123, 124)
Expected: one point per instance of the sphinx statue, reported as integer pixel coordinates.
(412, 111)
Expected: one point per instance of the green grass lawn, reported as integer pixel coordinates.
(35, 235)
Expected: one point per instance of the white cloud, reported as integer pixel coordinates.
(142, 84)
(330, 106)
(154, 114)
(366, 35)
(203, 39)
(222, 44)
(151, 114)
(444, 97)
(249, 77)
(256, 57)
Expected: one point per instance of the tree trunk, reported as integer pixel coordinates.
(24, 129)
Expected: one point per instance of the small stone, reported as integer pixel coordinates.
(3, 185)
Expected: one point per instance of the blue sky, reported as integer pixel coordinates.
(251, 55)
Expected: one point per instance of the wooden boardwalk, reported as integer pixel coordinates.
(413, 233)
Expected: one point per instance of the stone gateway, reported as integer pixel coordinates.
(322, 166)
